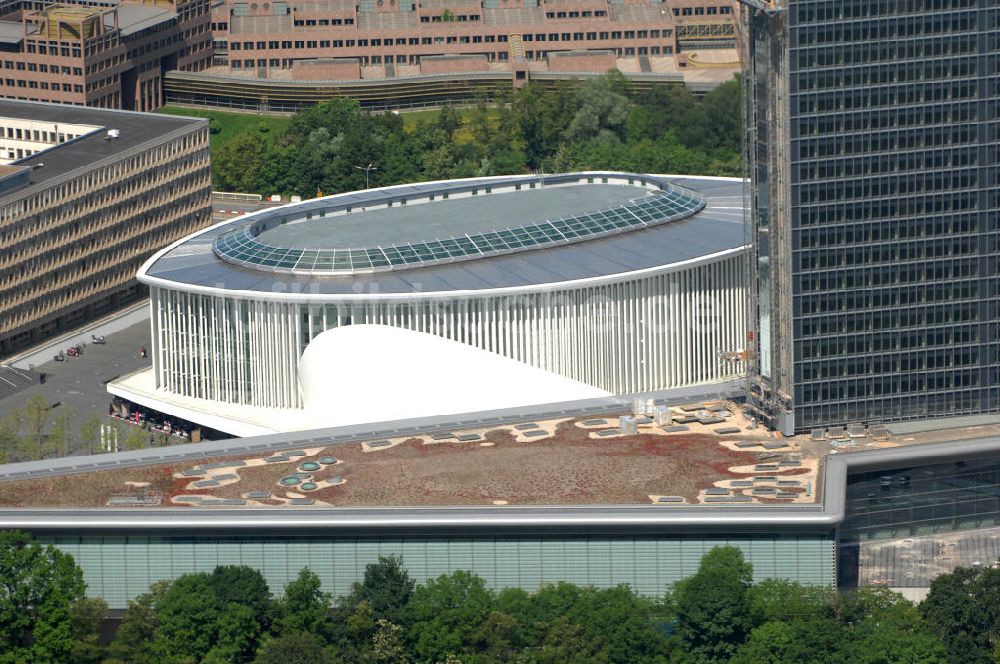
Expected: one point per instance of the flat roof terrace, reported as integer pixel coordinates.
(136, 131)
(712, 458)
(448, 218)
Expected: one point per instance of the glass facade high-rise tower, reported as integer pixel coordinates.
(872, 138)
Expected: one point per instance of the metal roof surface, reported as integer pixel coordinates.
(136, 131)
(717, 228)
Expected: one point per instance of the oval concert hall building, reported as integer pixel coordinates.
(447, 297)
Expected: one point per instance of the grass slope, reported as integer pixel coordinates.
(233, 124)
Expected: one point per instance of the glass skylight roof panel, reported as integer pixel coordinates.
(466, 246)
(510, 239)
(408, 253)
(438, 249)
(393, 256)
(494, 240)
(570, 234)
(590, 227)
(341, 260)
(550, 228)
(376, 257)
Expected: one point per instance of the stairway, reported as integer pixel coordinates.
(14, 380)
(516, 44)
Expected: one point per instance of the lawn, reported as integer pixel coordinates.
(234, 124)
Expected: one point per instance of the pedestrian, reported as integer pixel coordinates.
(142, 352)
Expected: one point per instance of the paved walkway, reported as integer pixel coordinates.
(80, 383)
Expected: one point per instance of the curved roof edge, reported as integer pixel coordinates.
(299, 292)
(574, 284)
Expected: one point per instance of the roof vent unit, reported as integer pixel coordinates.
(662, 415)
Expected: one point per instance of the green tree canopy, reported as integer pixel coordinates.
(963, 610)
(137, 630)
(713, 608)
(305, 607)
(39, 586)
(387, 588)
(86, 617)
(446, 613)
(600, 123)
(294, 648)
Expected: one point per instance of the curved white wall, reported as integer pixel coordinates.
(648, 331)
(371, 373)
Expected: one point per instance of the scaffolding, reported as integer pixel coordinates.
(767, 224)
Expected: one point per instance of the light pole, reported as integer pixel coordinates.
(367, 169)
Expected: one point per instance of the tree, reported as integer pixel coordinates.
(542, 118)
(602, 107)
(36, 417)
(137, 438)
(305, 607)
(237, 165)
(715, 121)
(86, 616)
(606, 624)
(784, 600)
(10, 440)
(819, 640)
(90, 433)
(713, 609)
(239, 584)
(58, 442)
(445, 614)
(293, 648)
(388, 644)
(187, 616)
(238, 635)
(387, 588)
(957, 610)
(38, 588)
(888, 628)
(137, 631)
